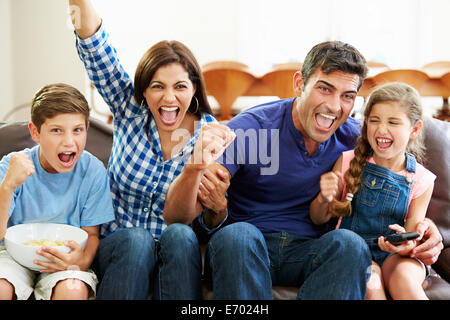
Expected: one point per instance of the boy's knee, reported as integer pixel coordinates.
(6, 290)
(70, 289)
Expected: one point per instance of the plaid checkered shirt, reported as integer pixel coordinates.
(139, 176)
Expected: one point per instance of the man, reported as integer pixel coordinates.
(281, 150)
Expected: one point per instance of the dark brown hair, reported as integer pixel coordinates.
(164, 53)
(54, 99)
(333, 56)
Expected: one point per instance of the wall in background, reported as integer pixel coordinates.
(40, 42)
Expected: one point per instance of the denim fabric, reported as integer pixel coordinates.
(180, 264)
(129, 259)
(334, 266)
(382, 200)
(245, 263)
(238, 261)
(124, 263)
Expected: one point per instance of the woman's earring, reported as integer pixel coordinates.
(196, 100)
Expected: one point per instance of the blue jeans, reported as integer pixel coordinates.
(245, 263)
(239, 263)
(128, 258)
(335, 266)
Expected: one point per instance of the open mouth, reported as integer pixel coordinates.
(66, 158)
(324, 121)
(384, 143)
(169, 115)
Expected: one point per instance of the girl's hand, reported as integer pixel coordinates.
(60, 260)
(403, 249)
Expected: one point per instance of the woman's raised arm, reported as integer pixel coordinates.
(85, 18)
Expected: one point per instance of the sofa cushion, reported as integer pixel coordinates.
(99, 138)
(437, 142)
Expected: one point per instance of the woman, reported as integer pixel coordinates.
(157, 122)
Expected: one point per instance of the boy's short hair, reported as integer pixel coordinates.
(54, 99)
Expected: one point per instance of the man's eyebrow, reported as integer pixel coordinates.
(334, 88)
(326, 83)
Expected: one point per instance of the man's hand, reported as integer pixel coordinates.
(430, 244)
(211, 194)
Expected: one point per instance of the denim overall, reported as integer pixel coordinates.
(382, 200)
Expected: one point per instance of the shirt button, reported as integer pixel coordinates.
(145, 209)
(155, 184)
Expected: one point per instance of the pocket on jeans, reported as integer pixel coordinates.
(371, 187)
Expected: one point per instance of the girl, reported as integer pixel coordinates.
(383, 189)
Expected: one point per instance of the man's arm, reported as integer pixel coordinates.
(85, 18)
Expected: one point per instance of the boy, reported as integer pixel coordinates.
(55, 181)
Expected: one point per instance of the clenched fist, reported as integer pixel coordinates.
(329, 185)
(213, 140)
(20, 168)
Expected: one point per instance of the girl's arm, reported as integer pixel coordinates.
(416, 214)
(330, 188)
(418, 210)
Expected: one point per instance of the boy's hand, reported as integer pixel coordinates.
(329, 185)
(60, 260)
(19, 169)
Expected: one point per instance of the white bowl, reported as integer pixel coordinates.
(25, 255)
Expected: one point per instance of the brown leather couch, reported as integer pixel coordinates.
(15, 136)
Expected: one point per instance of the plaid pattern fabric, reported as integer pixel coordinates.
(139, 176)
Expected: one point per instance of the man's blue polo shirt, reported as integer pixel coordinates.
(274, 178)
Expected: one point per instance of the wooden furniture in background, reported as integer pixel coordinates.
(280, 79)
(226, 81)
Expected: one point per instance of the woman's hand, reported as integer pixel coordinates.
(213, 140)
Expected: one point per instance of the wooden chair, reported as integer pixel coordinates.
(414, 78)
(376, 67)
(280, 79)
(226, 81)
(436, 68)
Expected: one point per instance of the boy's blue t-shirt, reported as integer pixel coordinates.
(80, 198)
(274, 178)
